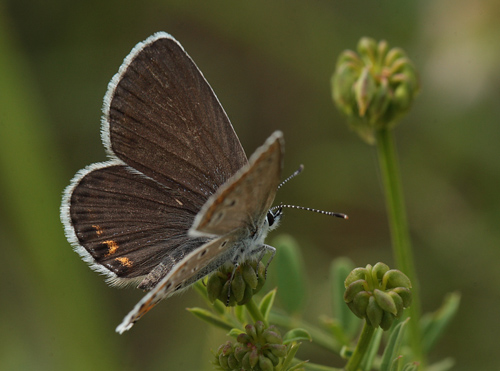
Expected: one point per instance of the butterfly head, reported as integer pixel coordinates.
(273, 217)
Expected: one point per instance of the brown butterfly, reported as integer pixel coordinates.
(177, 198)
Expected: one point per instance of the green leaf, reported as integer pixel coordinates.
(339, 270)
(298, 366)
(287, 362)
(210, 318)
(315, 367)
(289, 274)
(202, 290)
(392, 349)
(234, 332)
(239, 312)
(297, 334)
(410, 367)
(443, 365)
(266, 304)
(396, 363)
(435, 324)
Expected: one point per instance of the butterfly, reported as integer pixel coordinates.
(178, 197)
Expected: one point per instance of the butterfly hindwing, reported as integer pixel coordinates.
(125, 224)
(195, 265)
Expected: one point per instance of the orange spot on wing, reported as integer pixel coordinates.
(124, 261)
(98, 230)
(112, 247)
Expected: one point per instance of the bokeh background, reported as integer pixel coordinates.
(270, 64)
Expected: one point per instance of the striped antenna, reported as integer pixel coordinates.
(280, 207)
(296, 172)
(329, 213)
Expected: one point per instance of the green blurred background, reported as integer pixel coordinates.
(270, 64)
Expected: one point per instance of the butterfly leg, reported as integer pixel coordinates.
(262, 250)
(267, 248)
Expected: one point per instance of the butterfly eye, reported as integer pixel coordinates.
(270, 218)
(273, 216)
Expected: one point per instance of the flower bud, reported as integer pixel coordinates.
(377, 294)
(374, 313)
(225, 358)
(385, 301)
(354, 289)
(405, 294)
(258, 348)
(249, 275)
(214, 287)
(374, 87)
(387, 321)
(248, 279)
(360, 303)
(253, 357)
(394, 278)
(279, 350)
(265, 363)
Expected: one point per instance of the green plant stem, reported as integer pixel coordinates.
(399, 228)
(255, 312)
(361, 348)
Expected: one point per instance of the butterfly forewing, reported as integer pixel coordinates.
(162, 118)
(245, 199)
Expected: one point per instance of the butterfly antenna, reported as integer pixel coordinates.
(329, 213)
(296, 172)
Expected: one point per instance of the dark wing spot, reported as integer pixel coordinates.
(217, 217)
(223, 244)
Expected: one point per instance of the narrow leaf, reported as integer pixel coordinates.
(266, 304)
(239, 312)
(435, 324)
(397, 363)
(287, 362)
(392, 349)
(289, 274)
(339, 270)
(297, 334)
(410, 367)
(443, 365)
(210, 318)
(201, 289)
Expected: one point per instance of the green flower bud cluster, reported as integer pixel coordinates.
(374, 87)
(248, 279)
(259, 348)
(377, 294)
